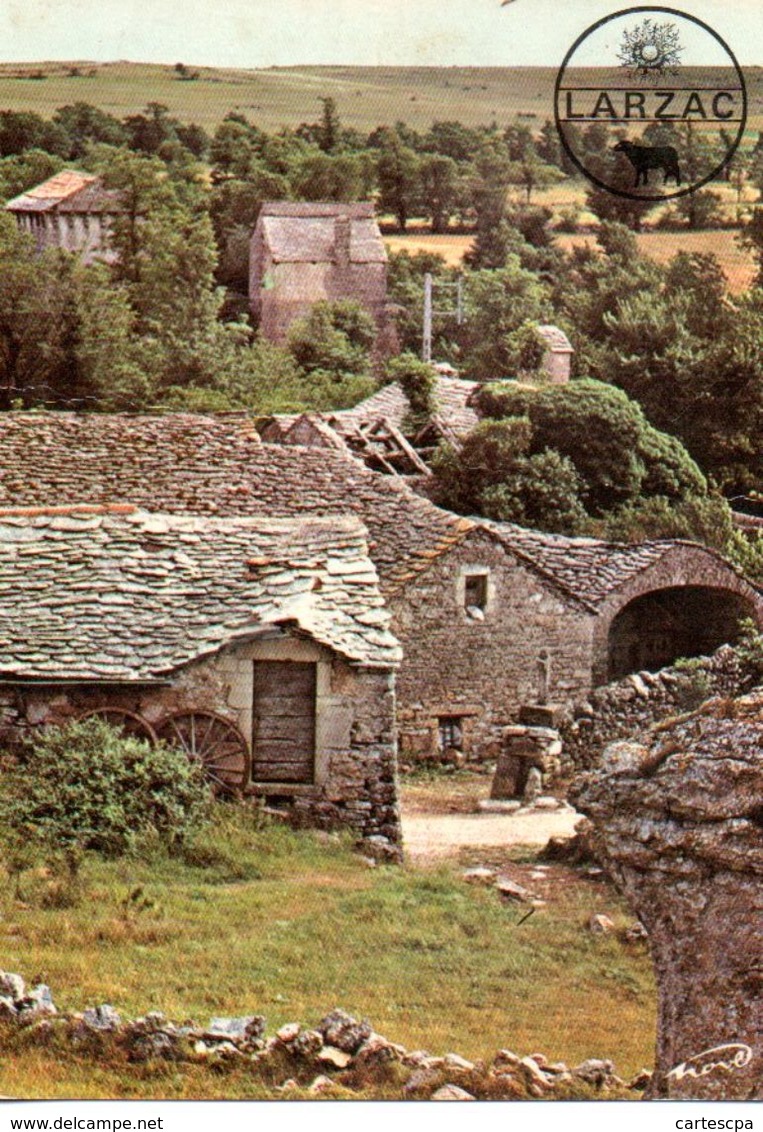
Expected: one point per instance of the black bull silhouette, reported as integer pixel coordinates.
(646, 157)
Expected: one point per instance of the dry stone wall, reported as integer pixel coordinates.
(340, 1056)
(633, 704)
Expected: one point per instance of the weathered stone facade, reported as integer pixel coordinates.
(302, 253)
(677, 820)
(272, 632)
(71, 211)
(354, 782)
(480, 670)
(553, 606)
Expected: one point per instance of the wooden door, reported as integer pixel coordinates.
(283, 721)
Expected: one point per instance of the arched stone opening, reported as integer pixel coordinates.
(656, 628)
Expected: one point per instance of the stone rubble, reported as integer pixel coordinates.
(341, 1052)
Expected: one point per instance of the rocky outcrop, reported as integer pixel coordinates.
(678, 820)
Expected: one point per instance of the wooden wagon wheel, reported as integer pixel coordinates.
(127, 723)
(214, 742)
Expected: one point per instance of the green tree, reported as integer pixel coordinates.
(497, 304)
(531, 174)
(616, 453)
(84, 125)
(488, 195)
(440, 186)
(320, 176)
(418, 381)
(494, 474)
(398, 176)
(35, 317)
(25, 170)
(751, 238)
(334, 338)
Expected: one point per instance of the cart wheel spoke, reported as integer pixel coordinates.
(214, 742)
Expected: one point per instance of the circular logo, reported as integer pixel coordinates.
(650, 103)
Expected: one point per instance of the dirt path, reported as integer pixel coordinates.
(434, 837)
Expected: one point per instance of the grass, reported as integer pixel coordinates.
(292, 924)
(365, 96)
(737, 263)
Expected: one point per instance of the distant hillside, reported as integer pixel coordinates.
(285, 96)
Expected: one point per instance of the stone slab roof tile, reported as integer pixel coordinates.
(587, 570)
(111, 596)
(453, 408)
(306, 233)
(215, 465)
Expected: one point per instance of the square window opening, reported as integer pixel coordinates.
(451, 733)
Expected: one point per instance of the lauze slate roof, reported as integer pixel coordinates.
(452, 396)
(587, 569)
(120, 594)
(216, 465)
(307, 233)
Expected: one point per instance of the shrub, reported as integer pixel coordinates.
(418, 381)
(750, 648)
(84, 786)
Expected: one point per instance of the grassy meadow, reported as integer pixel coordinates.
(261, 919)
(366, 97)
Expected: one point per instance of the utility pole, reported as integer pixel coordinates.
(430, 310)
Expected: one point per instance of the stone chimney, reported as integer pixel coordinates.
(557, 358)
(342, 237)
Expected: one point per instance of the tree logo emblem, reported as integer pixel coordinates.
(651, 49)
(650, 103)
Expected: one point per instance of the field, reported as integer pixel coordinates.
(366, 96)
(737, 263)
(290, 925)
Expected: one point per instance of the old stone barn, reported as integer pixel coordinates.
(260, 646)
(492, 618)
(302, 253)
(71, 211)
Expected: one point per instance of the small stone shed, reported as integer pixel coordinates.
(302, 253)
(492, 618)
(70, 210)
(261, 646)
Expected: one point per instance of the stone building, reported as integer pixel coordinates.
(260, 646)
(495, 621)
(302, 253)
(72, 211)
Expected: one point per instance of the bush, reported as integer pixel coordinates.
(418, 381)
(750, 648)
(84, 786)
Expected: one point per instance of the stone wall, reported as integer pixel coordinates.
(356, 762)
(679, 824)
(481, 671)
(633, 704)
(293, 288)
(85, 233)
